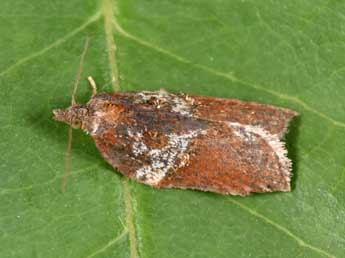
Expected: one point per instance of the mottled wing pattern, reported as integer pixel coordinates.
(143, 135)
(230, 158)
(270, 118)
(171, 141)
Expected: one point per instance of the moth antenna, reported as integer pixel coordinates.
(74, 102)
(68, 160)
(93, 85)
(77, 78)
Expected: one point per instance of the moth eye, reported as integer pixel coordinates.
(76, 123)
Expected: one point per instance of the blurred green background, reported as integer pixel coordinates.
(286, 53)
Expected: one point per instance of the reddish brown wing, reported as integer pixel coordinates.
(140, 139)
(154, 138)
(273, 119)
(233, 159)
(116, 151)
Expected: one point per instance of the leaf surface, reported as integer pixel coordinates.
(289, 54)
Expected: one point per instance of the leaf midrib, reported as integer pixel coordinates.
(180, 59)
(109, 19)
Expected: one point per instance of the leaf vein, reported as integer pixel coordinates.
(109, 244)
(281, 228)
(5, 191)
(229, 76)
(52, 45)
(111, 47)
(109, 19)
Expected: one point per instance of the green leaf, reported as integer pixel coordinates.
(287, 53)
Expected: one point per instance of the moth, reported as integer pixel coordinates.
(175, 140)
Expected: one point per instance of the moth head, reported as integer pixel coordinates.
(74, 115)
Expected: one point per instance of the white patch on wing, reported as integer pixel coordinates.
(178, 104)
(248, 133)
(181, 106)
(95, 126)
(138, 146)
(96, 121)
(164, 159)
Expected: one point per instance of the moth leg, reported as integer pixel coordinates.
(93, 85)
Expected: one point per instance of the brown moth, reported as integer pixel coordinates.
(170, 140)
